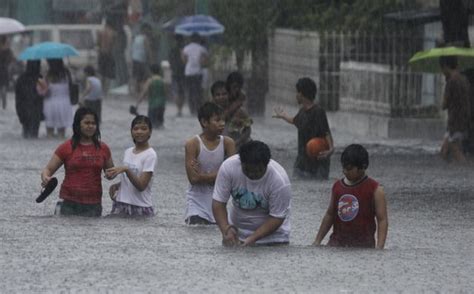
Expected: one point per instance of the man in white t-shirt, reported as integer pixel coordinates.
(261, 198)
(194, 55)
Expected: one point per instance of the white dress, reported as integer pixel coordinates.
(57, 108)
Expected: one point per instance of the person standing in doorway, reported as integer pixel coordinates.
(195, 56)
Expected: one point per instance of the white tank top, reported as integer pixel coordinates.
(199, 197)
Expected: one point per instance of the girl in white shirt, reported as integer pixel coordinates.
(132, 195)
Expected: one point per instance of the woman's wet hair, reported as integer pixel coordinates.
(255, 153)
(307, 87)
(355, 155)
(76, 127)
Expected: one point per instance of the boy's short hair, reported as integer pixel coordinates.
(207, 110)
(355, 155)
(155, 69)
(307, 87)
(234, 77)
(448, 61)
(255, 152)
(89, 70)
(217, 85)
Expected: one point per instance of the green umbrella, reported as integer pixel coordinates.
(428, 60)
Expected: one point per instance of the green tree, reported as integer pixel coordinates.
(247, 25)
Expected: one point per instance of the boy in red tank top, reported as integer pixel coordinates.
(358, 208)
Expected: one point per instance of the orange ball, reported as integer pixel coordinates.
(315, 146)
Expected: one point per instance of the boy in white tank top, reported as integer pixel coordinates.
(204, 153)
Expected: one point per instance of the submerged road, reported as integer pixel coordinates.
(429, 246)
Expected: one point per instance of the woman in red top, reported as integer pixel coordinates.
(84, 158)
(358, 208)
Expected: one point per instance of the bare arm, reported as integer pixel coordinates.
(109, 163)
(381, 216)
(229, 147)
(267, 228)
(326, 223)
(327, 153)
(139, 181)
(229, 233)
(280, 113)
(195, 176)
(53, 165)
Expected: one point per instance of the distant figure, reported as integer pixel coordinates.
(6, 57)
(237, 123)
(260, 193)
(194, 55)
(141, 57)
(154, 90)
(177, 73)
(84, 158)
(28, 101)
(132, 196)
(57, 106)
(204, 155)
(356, 203)
(456, 102)
(93, 94)
(311, 122)
(106, 63)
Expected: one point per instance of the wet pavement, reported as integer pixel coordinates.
(429, 246)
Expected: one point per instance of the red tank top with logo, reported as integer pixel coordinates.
(354, 215)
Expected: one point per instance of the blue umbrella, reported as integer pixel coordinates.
(203, 25)
(48, 50)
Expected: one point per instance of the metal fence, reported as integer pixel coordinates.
(369, 72)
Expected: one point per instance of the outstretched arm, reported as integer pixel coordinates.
(381, 216)
(139, 181)
(280, 113)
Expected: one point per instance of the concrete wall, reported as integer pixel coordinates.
(365, 88)
(292, 55)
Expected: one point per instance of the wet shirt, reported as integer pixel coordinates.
(354, 215)
(253, 201)
(83, 168)
(457, 103)
(310, 123)
(137, 163)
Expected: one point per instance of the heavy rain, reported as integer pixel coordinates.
(141, 209)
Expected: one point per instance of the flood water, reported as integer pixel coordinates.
(429, 246)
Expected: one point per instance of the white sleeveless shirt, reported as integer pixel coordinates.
(199, 197)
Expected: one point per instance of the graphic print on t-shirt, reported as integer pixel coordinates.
(347, 207)
(248, 200)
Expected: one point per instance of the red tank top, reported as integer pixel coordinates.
(354, 215)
